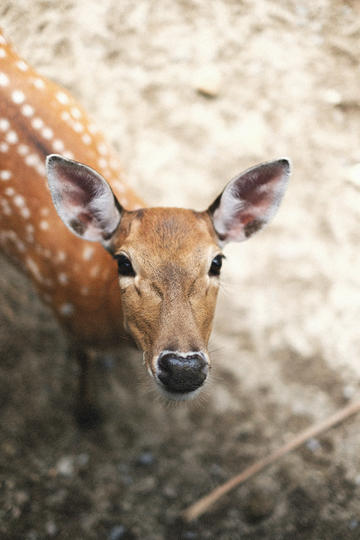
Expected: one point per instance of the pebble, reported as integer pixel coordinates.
(353, 174)
(65, 466)
(145, 459)
(208, 82)
(117, 532)
(348, 391)
(313, 445)
(353, 524)
(82, 460)
(170, 492)
(189, 535)
(333, 97)
(51, 528)
(258, 506)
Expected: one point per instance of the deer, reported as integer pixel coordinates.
(108, 266)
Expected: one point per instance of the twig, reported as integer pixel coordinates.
(203, 504)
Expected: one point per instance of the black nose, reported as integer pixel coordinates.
(182, 374)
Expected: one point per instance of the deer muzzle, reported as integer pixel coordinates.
(181, 375)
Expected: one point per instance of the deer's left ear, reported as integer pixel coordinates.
(249, 201)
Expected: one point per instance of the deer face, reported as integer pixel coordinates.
(169, 260)
(169, 285)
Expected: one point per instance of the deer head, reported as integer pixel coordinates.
(169, 259)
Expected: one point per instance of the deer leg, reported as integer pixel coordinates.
(87, 412)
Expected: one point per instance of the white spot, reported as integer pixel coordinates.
(47, 133)
(44, 211)
(102, 149)
(4, 124)
(44, 226)
(75, 112)
(18, 97)
(34, 269)
(92, 128)
(25, 212)
(94, 271)
(86, 138)
(61, 256)
(68, 154)
(2, 53)
(27, 110)
(4, 79)
(37, 123)
(2, 40)
(67, 309)
(58, 145)
(40, 167)
(29, 233)
(5, 175)
(23, 149)
(65, 115)
(63, 279)
(88, 252)
(12, 137)
(19, 201)
(31, 160)
(119, 186)
(62, 98)
(4, 147)
(84, 291)
(103, 163)
(78, 127)
(5, 207)
(39, 83)
(22, 65)
(114, 163)
(10, 191)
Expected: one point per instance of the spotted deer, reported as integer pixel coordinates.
(111, 267)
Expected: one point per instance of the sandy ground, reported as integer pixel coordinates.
(286, 340)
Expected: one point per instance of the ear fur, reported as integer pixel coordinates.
(249, 201)
(82, 198)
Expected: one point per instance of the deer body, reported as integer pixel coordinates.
(169, 259)
(74, 277)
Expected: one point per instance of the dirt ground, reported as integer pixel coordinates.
(286, 79)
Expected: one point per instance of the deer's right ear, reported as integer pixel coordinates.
(83, 199)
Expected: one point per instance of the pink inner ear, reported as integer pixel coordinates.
(251, 200)
(82, 198)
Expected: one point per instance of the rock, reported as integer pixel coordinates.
(313, 445)
(117, 532)
(333, 97)
(51, 528)
(208, 82)
(353, 174)
(65, 466)
(258, 506)
(145, 459)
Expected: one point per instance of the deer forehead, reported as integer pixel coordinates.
(167, 236)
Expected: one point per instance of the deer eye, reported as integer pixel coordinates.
(216, 265)
(124, 265)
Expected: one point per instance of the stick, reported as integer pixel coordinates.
(203, 504)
